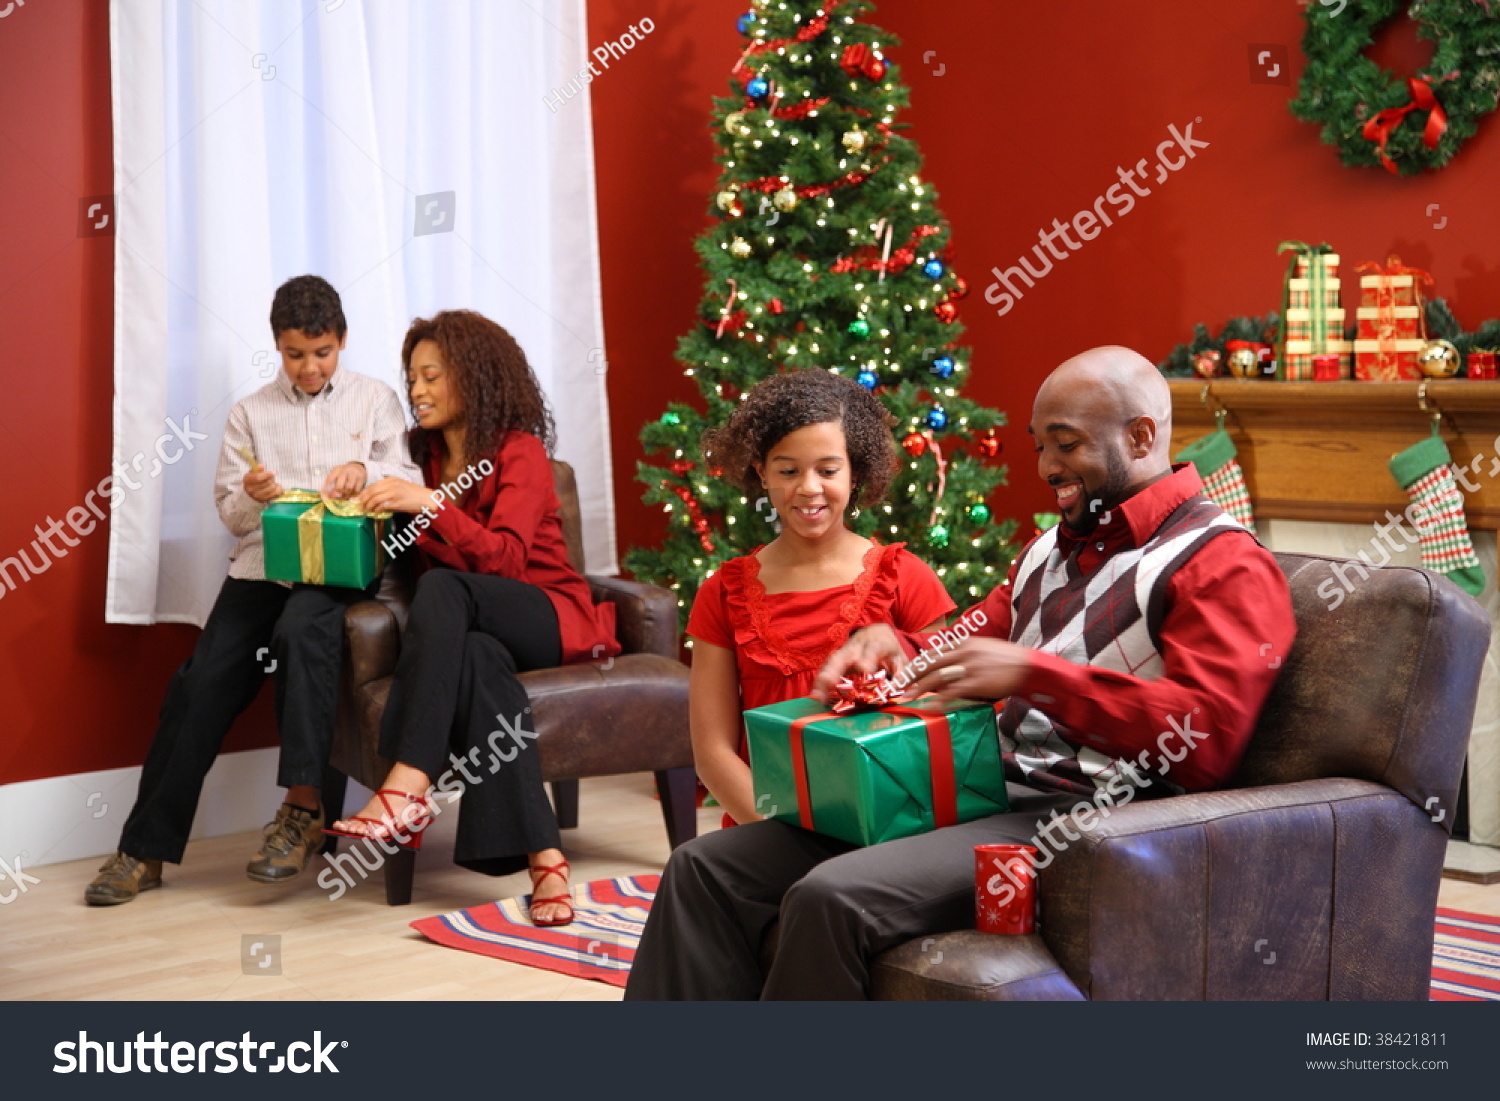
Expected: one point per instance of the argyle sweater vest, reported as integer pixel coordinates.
(1109, 620)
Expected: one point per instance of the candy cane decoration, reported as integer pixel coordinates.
(942, 469)
(885, 254)
(728, 306)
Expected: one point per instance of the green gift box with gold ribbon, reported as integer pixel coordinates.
(876, 775)
(322, 540)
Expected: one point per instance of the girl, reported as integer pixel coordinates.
(763, 625)
(498, 598)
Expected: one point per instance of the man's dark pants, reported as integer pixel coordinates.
(252, 623)
(839, 906)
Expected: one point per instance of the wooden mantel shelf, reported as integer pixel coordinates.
(1319, 450)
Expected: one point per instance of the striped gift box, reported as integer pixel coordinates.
(1330, 265)
(1405, 322)
(1298, 365)
(1299, 323)
(1388, 290)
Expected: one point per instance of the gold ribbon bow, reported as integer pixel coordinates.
(310, 530)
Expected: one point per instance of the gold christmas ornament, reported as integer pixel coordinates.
(854, 140)
(727, 201)
(1438, 359)
(785, 200)
(1244, 363)
(734, 123)
(740, 248)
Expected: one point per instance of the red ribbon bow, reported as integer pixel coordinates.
(1380, 128)
(860, 692)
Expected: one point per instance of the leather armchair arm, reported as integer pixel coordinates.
(373, 642)
(970, 966)
(645, 615)
(1316, 890)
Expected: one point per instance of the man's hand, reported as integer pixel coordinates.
(261, 484)
(979, 669)
(397, 495)
(868, 649)
(345, 480)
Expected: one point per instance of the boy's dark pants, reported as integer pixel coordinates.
(252, 623)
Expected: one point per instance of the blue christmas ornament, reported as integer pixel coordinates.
(867, 379)
(745, 21)
(942, 366)
(937, 419)
(757, 88)
(934, 269)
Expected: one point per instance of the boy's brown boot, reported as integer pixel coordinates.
(293, 837)
(121, 879)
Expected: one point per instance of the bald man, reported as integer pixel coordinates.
(1130, 643)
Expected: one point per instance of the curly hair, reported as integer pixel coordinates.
(783, 403)
(308, 304)
(499, 392)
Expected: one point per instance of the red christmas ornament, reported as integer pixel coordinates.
(776, 306)
(946, 311)
(989, 445)
(960, 288)
(859, 58)
(680, 467)
(914, 443)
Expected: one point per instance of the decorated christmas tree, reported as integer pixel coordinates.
(827, 251)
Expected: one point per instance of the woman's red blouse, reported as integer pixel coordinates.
(509, 524)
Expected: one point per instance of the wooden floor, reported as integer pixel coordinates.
(184, 940)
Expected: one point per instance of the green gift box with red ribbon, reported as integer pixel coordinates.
(876, 775)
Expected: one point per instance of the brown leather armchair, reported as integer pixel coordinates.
(593, 719)
(1314, 877)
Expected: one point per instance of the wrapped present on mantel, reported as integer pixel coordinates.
(1392, 321)
(319, 540)
(1312, 322)
(872, 774)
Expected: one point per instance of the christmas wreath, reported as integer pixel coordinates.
(1374, 116)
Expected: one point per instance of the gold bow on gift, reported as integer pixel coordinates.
(310, 532)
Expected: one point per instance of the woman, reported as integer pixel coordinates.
(498, 598)
(763, 625)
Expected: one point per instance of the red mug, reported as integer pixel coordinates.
(1328, 367)
(1482, 365)
(1005, 889)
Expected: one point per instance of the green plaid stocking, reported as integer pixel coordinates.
(1425, 471)
(1223, 480)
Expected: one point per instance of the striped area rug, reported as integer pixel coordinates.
(600, 943)
(609, 915)
(1466, 957)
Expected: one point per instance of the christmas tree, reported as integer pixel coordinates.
(827, 250)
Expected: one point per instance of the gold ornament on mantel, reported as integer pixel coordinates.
(854, 140)
(785, 200)
(1438, 359)
(740, 248)
(1243, 363)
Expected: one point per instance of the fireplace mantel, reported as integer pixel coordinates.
(1319, 450)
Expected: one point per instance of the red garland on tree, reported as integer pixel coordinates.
(869, 260)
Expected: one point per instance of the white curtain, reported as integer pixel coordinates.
(402, 149)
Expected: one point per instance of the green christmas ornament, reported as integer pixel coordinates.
(859, 327)
(670, 417)
(979, 513)
(938, 535)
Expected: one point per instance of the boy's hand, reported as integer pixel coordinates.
(345, 480)
(260, 484)
(868, 649)
(397, 495)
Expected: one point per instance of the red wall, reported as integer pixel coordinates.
(1034, 108)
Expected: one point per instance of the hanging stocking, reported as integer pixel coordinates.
(1223, 480)
(1425, 471)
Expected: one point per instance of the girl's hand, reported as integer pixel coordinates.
(397, 495)
(345, 480)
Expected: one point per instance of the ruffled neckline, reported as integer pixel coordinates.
(877, 577)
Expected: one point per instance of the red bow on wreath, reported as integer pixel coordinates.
(859, 58)
(1379, 128)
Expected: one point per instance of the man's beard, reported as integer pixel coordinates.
(1115, 490)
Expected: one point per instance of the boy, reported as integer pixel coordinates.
(314, 425)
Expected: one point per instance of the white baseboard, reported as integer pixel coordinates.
(75, 817)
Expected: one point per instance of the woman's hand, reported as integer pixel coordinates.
(979, 669)
(345, 480)
(397, 495)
